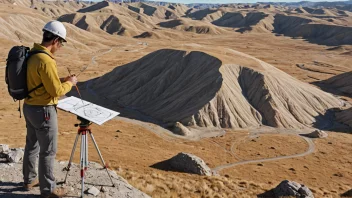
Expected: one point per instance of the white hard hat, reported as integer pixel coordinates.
(57, 28)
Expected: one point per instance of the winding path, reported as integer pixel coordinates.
(310, 150)
(108, 51)
(93, 61)
(168, 136)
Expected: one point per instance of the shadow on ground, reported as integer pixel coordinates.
(331, 89)
(267, 194)
(163, 165)
(347, 194)
(329, 122)
(342, 84)
(166, 166)
(14, 192)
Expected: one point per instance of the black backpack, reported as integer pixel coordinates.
(16, 72)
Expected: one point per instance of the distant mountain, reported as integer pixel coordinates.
(311, 4)
(290, 4)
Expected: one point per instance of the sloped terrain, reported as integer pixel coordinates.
(108, 23)
(316, 33)
(51, 9)
(109, 18)
(198, 27)
(25, 27)
(160, 12)
(205, 14)
(300, 10)
(342, 82)
(237, 111)
(180, 9)
(345, 7)
(253, 21)
(95, 7)
(166, 85)
(344, 116)
(23, 3)
(321, 26)
(19, 26)
(175, 72)
(55, 9)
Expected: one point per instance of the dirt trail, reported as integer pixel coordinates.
(310, 150)
(169, 136)
(93, 62)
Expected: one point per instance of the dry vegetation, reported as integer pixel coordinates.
(233, 36)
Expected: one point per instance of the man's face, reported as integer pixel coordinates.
(56, 45)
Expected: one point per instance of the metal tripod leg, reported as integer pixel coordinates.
(83, 160)
(84, 156)
(101, 157)
(86, 147)
(71, 157)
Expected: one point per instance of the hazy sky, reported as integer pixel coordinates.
(234, 1)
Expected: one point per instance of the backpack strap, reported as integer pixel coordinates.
(35, 88)
(31, 53)
(19, 108)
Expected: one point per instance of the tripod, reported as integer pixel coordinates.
(83, 131)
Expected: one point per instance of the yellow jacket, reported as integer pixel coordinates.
(41, 68)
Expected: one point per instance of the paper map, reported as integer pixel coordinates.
(87, 110)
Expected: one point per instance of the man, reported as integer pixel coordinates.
(40, 111)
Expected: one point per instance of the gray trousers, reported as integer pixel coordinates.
(41, 139)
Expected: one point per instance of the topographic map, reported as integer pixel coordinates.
(87, 110)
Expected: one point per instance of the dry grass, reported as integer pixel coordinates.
(157, 184)
(327, 172)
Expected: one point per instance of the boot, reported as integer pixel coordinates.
(30, 186)
(57, 193)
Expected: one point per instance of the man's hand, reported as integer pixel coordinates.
(64, 79)
(72, 79)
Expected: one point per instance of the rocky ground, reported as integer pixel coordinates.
(132, 147)
(97, 183)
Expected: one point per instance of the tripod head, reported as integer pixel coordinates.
(84, 122)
